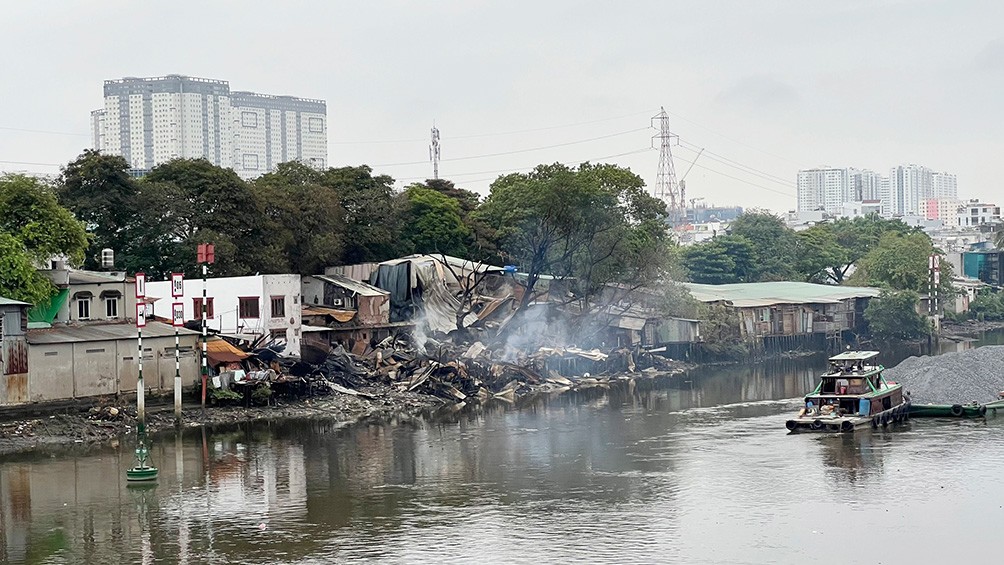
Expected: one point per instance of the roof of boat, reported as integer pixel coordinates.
(855, 356)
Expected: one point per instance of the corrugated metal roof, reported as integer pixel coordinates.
(11, 302)
(95, 277)
(101, 332)
(751, 295)
(357, 287)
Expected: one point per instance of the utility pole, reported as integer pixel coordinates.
(666, 188)
(434, 152)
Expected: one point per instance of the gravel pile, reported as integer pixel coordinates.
(976, 374)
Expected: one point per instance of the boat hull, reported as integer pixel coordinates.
(849, 423)
(948, 411)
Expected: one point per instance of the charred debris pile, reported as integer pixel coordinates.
(468, 372)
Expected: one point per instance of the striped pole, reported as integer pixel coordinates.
(177, 375)
(140, 400)
(205, 362)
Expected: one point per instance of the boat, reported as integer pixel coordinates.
(852, 394)
(971, 410)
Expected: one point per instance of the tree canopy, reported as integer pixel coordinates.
(591, 224)
(34, 228)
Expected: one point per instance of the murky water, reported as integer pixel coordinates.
(694, 470)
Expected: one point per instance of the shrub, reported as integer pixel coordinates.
(224, 396)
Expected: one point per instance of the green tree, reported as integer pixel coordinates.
(893, 314)
(214, 205)
(372, 214)
(709, 263)
(773, 243)
(481, 244)
(593, 225)
(858, 236)
(987, 306)
(820, 257)
(433, 222)
(98, 190)
(34, 228)
(899, 262)
(304, 219)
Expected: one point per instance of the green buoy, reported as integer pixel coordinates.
(142, 471)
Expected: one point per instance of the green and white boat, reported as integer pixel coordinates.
(851, 395)
(971, 410)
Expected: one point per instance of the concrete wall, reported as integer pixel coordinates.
(126, 303)
(63, 371)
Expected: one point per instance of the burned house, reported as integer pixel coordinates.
(13, 351)
(340, 310)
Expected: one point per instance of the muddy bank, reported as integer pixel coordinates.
(108, 422)
(968, 328)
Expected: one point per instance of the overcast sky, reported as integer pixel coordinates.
(772, 86)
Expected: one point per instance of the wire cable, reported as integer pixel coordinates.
(744, 168)
(700, 166)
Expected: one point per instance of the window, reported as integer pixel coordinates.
(197, 303)
(247, 307)
(250, 162)
(278, 306)
(83, 300)
(111, 307)
(315, 125)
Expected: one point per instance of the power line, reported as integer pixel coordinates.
(516, 151)
(495, 134)
(744, 168)
(737, 178)
(25, 130)
(514, 170)
(30, 163)
(734, 140)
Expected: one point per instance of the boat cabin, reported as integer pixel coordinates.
(853, 384)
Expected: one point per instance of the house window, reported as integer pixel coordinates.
(111, 307)
(83, 300)
(278, 306)
(197, 303)
(111, 299)
(247, 307)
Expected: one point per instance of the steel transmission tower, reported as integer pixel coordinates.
(434, 152)
(666, 187)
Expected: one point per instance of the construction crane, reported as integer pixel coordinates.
(683, 186)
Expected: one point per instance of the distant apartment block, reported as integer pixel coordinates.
(152, 120)
(904, 192)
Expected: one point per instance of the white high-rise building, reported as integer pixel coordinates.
(269, 130)
(150, 121)
(945, 186)
(910, 186)
(823, 189)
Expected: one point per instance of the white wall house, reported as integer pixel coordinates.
(253, 305)
(976, 213)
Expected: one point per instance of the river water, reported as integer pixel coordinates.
(697, 469)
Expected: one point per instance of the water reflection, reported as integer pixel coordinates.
(696, 468)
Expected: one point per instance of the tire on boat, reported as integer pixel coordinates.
(817, 424)
(983, 410)
(884, 420)
(956, 410)
(791, 425)
(875, 422)
(846, 426)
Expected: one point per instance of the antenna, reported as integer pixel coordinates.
(666, 188)
(434, 151)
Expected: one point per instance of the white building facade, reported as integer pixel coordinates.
(976, 213)
(905, 192)
(269, 130)
(823, 189)
(254, 305)
(150, 121)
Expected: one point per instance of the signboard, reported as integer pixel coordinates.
(177, 285)
(140, 315)
(178, 314)
(140, 285)
(206, 253)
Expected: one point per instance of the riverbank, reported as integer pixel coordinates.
(64, 425)
(969, 328)
(60, 425)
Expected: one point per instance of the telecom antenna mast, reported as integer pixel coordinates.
(434, 152)
(666, 187)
